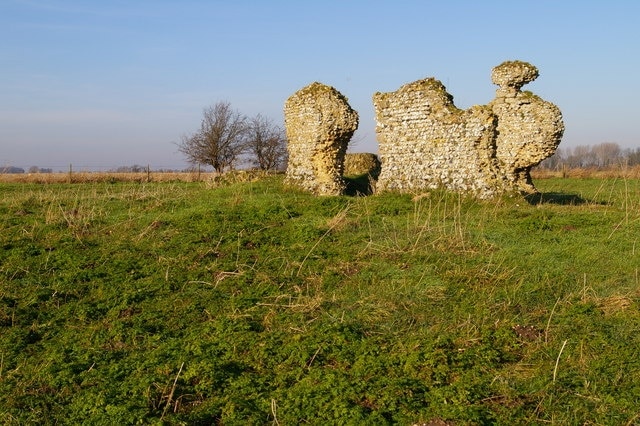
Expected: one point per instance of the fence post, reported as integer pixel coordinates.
(148, 173)
(70, 172)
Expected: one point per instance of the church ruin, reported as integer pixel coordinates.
(425, 141)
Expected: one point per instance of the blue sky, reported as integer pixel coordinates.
(99, 84)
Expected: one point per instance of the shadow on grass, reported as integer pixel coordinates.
(358, 186)
(364, 185)
(558, 198)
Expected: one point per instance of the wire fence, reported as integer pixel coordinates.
(136, 173)
(98, 168)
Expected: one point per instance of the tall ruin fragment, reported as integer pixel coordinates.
(529, 128)
(319, 124)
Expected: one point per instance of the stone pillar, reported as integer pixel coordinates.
(319, 124)
(529, 128)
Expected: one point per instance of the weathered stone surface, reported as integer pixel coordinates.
(362, 163)
(512, 75)
(319, 124)
(425, 142)
(529, 128)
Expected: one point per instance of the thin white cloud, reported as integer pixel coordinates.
(64, 117)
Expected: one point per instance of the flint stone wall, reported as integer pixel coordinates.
(319, 124)
(362, 163)
(426, 142)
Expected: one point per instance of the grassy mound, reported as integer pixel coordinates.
(252, 303)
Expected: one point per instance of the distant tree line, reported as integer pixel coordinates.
(36, 169)
(602, 155)
(19, 170)
(136, 168)
(11, 169)
(227, 138)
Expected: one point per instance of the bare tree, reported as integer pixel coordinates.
(580, 156)
(632, 156)
(554, 162)
(606, 154)
(266, 144)
(220, 140)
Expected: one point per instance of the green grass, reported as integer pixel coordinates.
(253, 303)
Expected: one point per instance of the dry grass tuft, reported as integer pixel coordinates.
(98, 177)
(212, 178)
(623, 172)
(614, 304)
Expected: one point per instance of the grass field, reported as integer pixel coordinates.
(250, 303)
